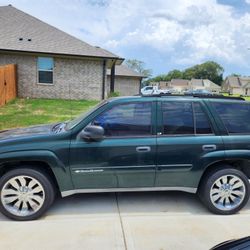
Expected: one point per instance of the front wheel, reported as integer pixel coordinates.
(225, 191)
(25, 194)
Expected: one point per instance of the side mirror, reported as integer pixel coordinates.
(92, 133)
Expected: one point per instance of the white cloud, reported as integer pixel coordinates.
(187, 31)
(247, 1)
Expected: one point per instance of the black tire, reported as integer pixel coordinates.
(208, 183)
(45, 182)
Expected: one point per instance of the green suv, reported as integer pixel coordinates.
(142, 143)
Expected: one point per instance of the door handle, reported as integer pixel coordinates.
(209, 147)
(143, 149)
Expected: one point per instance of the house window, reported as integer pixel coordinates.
(45, 69)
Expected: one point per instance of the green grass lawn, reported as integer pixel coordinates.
(27, 112)
(247, 98)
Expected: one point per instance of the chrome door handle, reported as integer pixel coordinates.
(143, 149)
(209, 147)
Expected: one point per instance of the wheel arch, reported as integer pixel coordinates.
(44, 161)
(44, 167)
(239, 163)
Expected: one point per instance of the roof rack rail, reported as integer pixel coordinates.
(197, 96)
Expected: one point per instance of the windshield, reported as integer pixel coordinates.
(71, 124)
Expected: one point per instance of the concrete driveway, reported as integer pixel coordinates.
(153, 220)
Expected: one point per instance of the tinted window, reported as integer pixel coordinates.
(202, 123)
(235, 116)
(45, 69)
(177, 118)
(131, 119)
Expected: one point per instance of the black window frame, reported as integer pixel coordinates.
(45, 70)
(130, 136)
(207, 117)
(194, 120)
(221, 120)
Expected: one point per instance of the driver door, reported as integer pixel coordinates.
(126, 157)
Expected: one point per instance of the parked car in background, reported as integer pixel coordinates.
(198, 92)
(150, 90)
(141, 143)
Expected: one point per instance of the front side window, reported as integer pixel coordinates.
(235, 116)
(45, 69)
(132, 119)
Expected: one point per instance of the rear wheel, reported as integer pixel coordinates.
(25, 194)
(225, 191)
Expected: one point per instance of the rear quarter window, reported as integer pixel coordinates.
(235, 116)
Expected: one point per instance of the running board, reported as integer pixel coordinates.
(106, 190)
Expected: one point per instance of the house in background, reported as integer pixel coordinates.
(51, 63)
(179, 84)
(235, 85)
(127, 81)
(196, 84)
(182, 85)
(204, 84)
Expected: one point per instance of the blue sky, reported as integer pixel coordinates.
(165, 34)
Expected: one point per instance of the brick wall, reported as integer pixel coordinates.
(73, 78)
(126, 85)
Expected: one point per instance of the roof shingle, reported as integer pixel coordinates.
(22, 32)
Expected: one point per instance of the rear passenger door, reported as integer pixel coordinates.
(186, 135)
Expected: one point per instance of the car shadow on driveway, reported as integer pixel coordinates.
(151, 203)
(129, 203)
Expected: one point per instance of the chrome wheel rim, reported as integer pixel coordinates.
(227, 192)
(22, 195)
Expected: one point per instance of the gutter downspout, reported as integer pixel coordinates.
(112, 78)
(103, 79)
(140, 86)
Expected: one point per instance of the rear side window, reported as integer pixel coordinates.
(177, 118)
(235, 116)
(132, 119)
(184, 118)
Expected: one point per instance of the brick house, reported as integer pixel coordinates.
(52, 63)
(235, 85)
(127, 81)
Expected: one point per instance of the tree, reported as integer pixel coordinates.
(174, 74)
(208, 70)
(139, 67)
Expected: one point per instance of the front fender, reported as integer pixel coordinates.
(60, 169)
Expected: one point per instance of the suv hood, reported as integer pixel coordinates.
(29, 131)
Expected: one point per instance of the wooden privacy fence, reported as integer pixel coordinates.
(8, 83)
